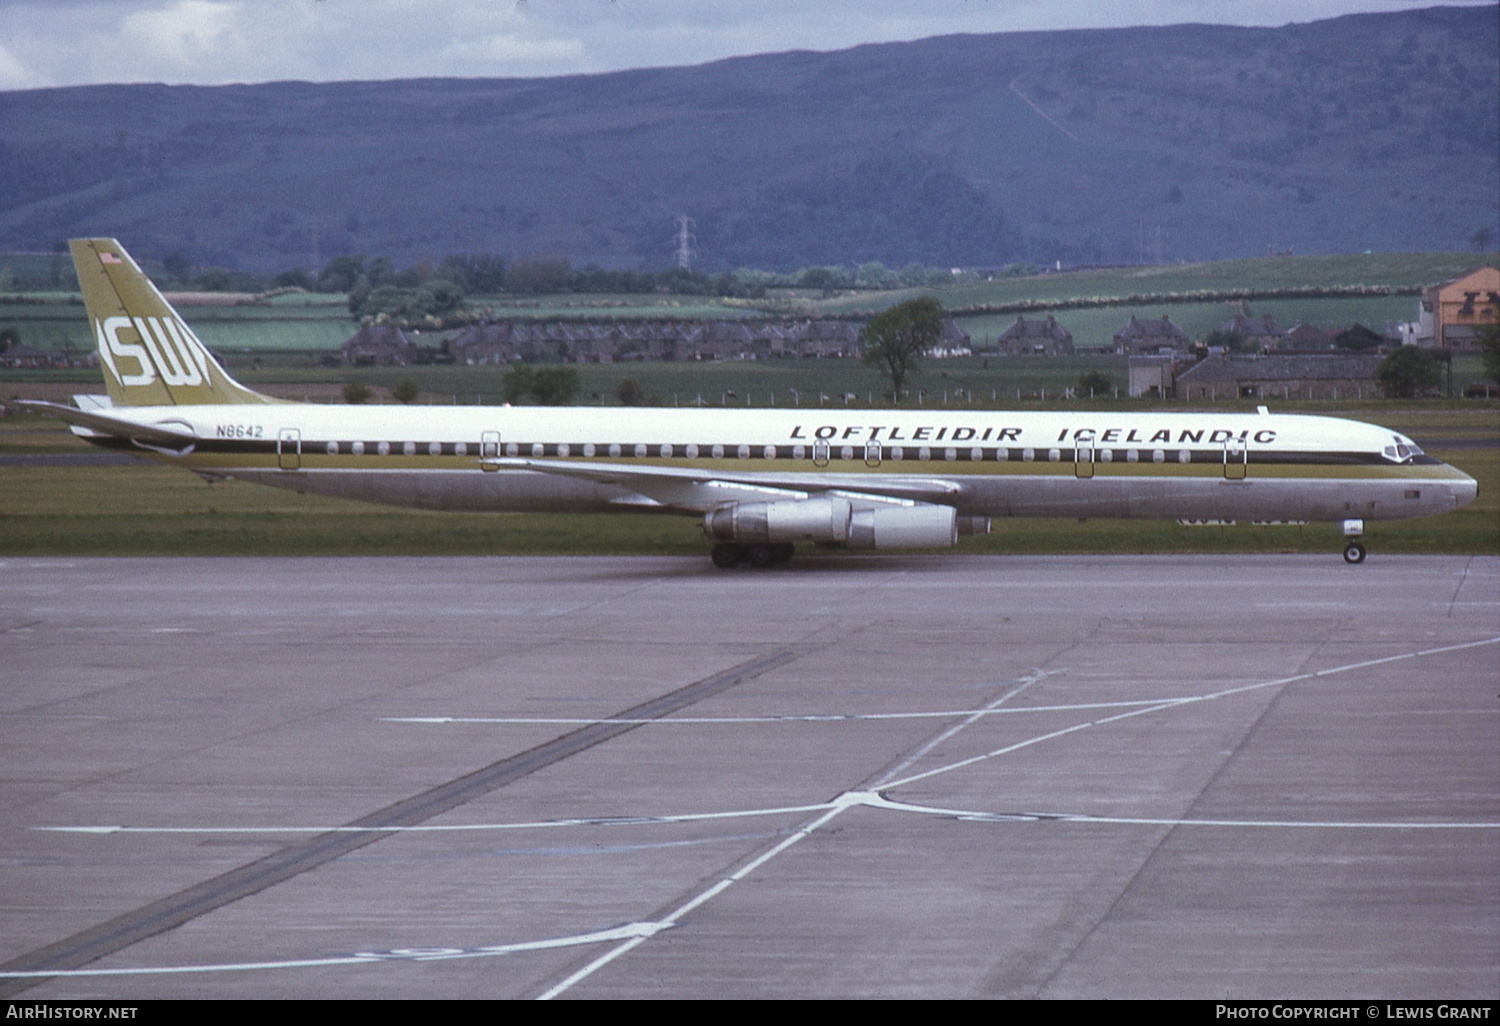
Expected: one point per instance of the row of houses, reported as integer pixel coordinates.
(1044, 336)
(1449, 315)
(19, 356)
(506, 342)
(1317, 375)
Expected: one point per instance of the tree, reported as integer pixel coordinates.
(211, 279)
(1228, 339)
(538, 274)
(406, 391)
(554, 386)
(295, 277)
(357, 393)
(1489, 350)
(515, 387)
(629, 393)
(177, 265)
(896, 339)
(341, 273)
(1095, 383)
(1408, 372)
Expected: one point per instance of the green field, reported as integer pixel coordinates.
(985, 381)
(1401, 271)
(148, 509)
(1096, 326)
(300, 322)
(57, 321)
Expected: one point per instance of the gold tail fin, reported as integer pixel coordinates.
(149, 355)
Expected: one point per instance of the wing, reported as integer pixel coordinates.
(697, 491)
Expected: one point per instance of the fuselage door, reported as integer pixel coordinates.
(820, 453)
(489, 447)
(289, 449)
(872, 454)
(1083, 456)
(1236, 459)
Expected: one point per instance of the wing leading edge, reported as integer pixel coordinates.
(696, 491)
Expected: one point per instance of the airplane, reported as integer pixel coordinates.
(762, 481)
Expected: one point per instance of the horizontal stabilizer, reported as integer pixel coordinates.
(156, 437)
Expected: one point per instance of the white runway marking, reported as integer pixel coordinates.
(1171, 703)
(972, 718)
(1143, 704)
(641, 930)
(687, 817)
(853, 799)
(1083, 817)
(626, 938)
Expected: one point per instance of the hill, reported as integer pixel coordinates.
(1366, 132)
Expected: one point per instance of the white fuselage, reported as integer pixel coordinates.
(1257, 466)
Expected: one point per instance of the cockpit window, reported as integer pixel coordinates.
(1403, 450)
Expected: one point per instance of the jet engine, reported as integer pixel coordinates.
(833, 521)
(792, 520)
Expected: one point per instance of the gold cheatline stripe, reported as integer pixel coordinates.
(319, 460)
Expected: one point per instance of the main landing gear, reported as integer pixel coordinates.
(726, 554)
(1354, 551)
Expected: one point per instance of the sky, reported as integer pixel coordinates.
(213, 42)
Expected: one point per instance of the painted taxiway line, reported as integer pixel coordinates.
(971, 816)
(971, 716)
(630, 930)
(935, 714)
(686, 817)
(1171, 704)
(627, 938)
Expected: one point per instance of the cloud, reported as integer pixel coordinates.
(66, 42)
(16, 75)
(187, 35)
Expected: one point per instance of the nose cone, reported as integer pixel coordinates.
(1464, 491)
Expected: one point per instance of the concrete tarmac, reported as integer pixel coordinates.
(852, 776)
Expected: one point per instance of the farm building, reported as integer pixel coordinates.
(596, 342)
(379, 345)
(823, 338)
(30, 356)
(1152, 375)
(955, 341)
(1278, 376)
(1305, 336)
(1452, 311)
(1139, 338)
(1258, 331)
(1038, 337)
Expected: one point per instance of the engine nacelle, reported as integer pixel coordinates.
(793, 520)
(904, 527)
(833, 521)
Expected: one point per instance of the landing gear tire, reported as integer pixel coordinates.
(726, 556)
(781, 553)
(759, 555)
(1354, 552)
